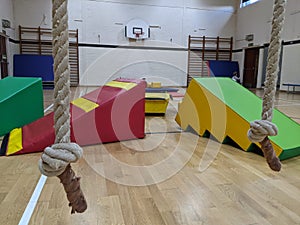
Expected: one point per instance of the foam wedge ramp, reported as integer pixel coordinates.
(114, 112)
(225, 109)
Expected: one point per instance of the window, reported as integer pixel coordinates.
(244, 3)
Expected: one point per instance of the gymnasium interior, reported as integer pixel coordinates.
(150, 112)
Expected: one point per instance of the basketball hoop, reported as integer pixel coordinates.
(137, 29)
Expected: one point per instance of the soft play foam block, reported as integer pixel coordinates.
(27, 65)
(114, 112)
(156, 103)
(225, 109)
(21, 102)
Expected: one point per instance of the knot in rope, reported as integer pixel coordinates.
(259, 129)
(56, 158)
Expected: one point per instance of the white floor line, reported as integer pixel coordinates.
(35, 195)
(48, 108)
(33, 200)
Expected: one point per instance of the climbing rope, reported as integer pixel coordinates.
(55, 160)
(261, 129)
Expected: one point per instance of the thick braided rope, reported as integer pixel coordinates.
(55, 158)
(260, 129)
(61, 71)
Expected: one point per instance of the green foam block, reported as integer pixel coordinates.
(21, 102)
(249, 107)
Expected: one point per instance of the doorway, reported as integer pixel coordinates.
(250, 67)
(3, 57)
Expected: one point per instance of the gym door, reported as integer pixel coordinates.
(250, 67)
(3, 57)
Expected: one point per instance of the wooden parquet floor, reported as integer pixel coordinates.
(177, 178)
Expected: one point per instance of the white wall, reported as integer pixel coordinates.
(165, 66)
(291, 53)
(6, 12)
(256, 19)
(177, 19)
(103, 22)
(33, 13)
(290, 68)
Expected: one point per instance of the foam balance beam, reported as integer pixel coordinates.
(156, 103)
(114, 112)
(21, 102)
(225, 109)
(161, 90)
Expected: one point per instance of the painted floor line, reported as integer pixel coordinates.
(33, 201)
(49, 107)
(35, 195)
